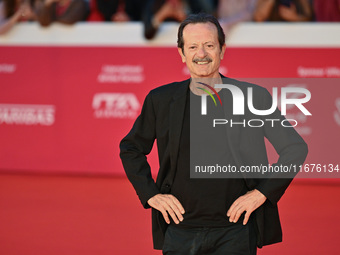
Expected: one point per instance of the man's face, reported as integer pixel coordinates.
(202, 53)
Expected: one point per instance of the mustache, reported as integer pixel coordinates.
(202, 59)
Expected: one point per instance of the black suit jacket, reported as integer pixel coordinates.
(161, 119)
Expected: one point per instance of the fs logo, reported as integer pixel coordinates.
(115, 105)
(238, 100)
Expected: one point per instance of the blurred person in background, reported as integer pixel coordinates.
(231, 12)
(13, 11)
(283, 10)
(66, 12)
(121, 10)
(206, 6)
(327, 10)
(158, 11)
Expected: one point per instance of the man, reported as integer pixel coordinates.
(207, 216)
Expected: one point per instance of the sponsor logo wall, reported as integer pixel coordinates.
(115, 105)
(12, 114)
(65, 109)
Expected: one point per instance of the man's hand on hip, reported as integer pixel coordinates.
(166, 203)
(248, 203)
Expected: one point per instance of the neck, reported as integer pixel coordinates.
(198, 85)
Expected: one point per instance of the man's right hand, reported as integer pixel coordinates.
(167, 204)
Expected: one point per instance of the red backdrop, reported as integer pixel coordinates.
(65, 109)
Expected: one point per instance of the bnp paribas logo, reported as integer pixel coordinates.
(238, 107)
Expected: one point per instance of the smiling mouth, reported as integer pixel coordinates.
(203, 61)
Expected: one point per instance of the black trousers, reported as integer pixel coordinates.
(234, 240)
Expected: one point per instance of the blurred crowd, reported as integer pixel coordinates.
(154, 12)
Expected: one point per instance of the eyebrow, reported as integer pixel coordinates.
(194, 43)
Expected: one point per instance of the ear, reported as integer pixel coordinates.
(181, 54)
(223, 51)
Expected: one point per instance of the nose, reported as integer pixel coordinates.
(201, 53)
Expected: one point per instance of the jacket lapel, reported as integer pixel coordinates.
(176, 115)
(234, 132)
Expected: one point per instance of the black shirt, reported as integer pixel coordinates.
(205, 200)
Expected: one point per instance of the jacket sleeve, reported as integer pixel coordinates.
(292, 151)
(134, 148)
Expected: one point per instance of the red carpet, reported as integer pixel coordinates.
(85, 215)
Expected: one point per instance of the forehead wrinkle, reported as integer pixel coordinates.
(195, 35)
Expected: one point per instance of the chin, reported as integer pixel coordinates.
(202, 73)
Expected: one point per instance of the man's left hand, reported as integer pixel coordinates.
(248, 203)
